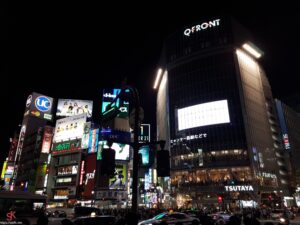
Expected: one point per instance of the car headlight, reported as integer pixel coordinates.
(282, 220)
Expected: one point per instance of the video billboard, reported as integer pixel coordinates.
(204, 114)
(120, 177)
(38, 105)
(72, 107)
(69, 128)
(109, 96)
(122, 150)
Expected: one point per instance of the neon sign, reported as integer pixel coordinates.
(202, 26)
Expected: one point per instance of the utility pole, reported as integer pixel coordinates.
(134, 206)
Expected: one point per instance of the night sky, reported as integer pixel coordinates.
(76, 55)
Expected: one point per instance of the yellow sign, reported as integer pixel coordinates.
(3, 170)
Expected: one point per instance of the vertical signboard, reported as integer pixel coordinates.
(47, 139)
(93, 141)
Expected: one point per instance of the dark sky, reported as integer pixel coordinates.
(75, 53)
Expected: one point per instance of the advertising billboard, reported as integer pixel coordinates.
(89, 180)
(38, 105)
(67, 146)
(41, 173)
(12, 149)
(120, 177)
(85, 137)
(93, 141)
(47, 139)
(122, 150)
(72, 107)
(204, 114)
(109, 96)
(69, 128)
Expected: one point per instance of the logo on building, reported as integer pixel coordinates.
(202, 26)
(42, 103)
(28, 101)
(239, 188)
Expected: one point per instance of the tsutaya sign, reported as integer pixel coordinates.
(202, 26)
(239, 188)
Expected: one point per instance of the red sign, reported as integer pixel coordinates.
(81, 172)
(47, 139)
(89, 180)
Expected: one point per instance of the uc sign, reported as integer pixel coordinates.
(42, 103)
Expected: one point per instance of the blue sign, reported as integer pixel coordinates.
(43, 103)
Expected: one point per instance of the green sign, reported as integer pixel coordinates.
(67, 146)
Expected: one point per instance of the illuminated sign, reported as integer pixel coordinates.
(239, 188)
(148, 179)
(115, 135)
(122, 150)
(38, 105)
(286, 141)
(85, 136)
(89, 176)
(144, 133)
(69, 128)
(71, 107)
(202, 26)
(120, 177)
(189, 137)
(67, 170)
(81, 172)
(28, 101)
(93, 141)
(43, 103)
(109, 96)
(67, 146)
(204, 114)
(47, 139)
(3, 169)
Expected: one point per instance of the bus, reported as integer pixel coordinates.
(21, 207)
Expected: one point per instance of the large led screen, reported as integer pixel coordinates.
(203, 115)
(69, 128)
(71, 107)
(122, 150)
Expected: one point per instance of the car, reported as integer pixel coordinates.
(276, 214)
(171, 218)
(80, 211)
(91, 220)
(221, 217)
(59, 213)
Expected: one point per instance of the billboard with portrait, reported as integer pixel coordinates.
(69, 128)
(120, 177)
(72, 107)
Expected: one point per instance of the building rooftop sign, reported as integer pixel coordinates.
(232, 188)
(202, 26)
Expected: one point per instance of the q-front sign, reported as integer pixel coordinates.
(202, 26)
(232, 188)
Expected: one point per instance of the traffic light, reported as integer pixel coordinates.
(108, 163)
(163, 163)
(220, 199)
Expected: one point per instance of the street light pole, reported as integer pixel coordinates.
(134, 206)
